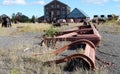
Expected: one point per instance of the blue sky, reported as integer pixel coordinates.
(36, 7)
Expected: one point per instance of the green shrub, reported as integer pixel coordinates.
(51, 32)
(15, 71)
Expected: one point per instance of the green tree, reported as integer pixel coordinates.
(33, 19)
(24, 19)
(13, 18)
(21, 18)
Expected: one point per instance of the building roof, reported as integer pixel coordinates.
(57, 2)
(4, 15)
(76, 13)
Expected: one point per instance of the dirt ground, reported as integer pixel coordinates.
(109, 49)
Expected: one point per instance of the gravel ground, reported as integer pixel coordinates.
(109, 49)
(8, 42)
(13, 47)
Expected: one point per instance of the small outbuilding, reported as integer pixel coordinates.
(118, 19)
(77, 15)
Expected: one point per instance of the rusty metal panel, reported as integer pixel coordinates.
(90, 33)
(81, 49)
(83, 42)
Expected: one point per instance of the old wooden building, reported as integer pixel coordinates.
(55, 10)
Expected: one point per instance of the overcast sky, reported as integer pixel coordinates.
(36, 7)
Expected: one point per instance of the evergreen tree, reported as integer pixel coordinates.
(33, 19)
(13, 18)
(21, 18)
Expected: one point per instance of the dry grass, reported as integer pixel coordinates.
(24, 27)
(110, 27)
(30, 27)
(16, 61)
(26, 63)
(65, 27)
(4, 31)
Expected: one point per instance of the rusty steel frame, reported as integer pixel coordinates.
(87, 35)
(73, 35)
(88, 55)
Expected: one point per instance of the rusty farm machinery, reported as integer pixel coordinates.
(79, 50)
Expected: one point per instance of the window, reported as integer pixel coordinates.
(58, 6)
(58, 12)
(52, 13)
(63, 7)
(46, 8)
(52, 6)
(63, 12)
(47, 13)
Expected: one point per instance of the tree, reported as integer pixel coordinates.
(13, 18)
(24, 19)
(19, 17)
(33, 19)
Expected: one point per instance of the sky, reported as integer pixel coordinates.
(36, 7)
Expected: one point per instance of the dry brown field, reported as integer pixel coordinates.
(19, 43)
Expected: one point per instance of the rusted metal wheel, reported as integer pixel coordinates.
(88, 55)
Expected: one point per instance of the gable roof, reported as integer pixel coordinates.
(76, 13)
(57, 2)
(4, 15)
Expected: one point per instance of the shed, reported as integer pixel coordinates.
(76, 13)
